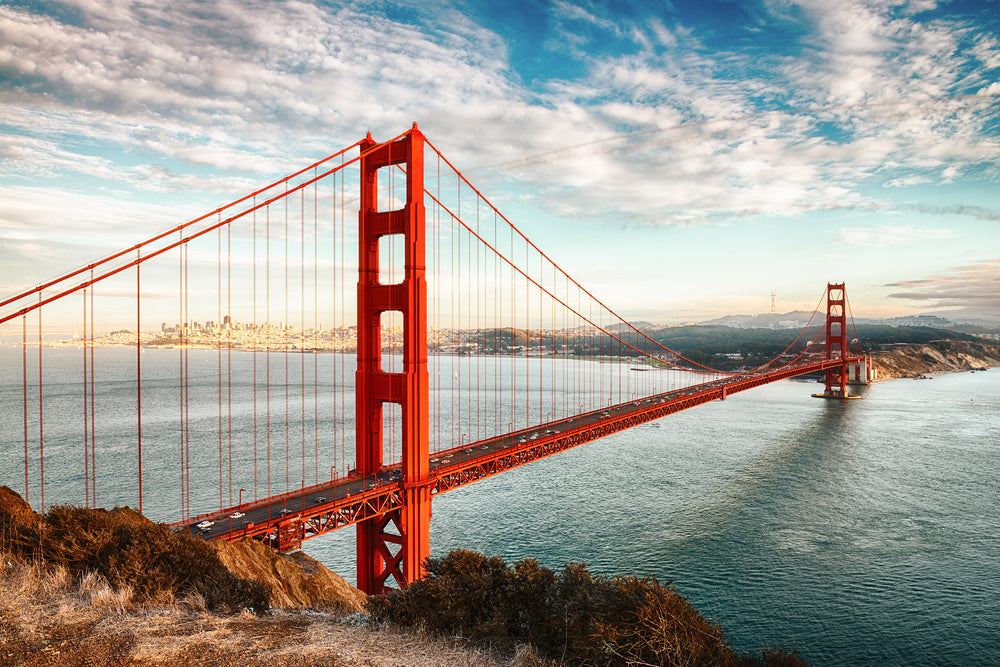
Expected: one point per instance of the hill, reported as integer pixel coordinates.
(941, 356)
(730, 348)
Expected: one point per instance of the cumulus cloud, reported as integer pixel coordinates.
(872, 97)
(665, 131)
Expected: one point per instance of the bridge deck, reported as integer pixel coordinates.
(287, 519)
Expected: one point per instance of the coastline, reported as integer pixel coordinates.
(921, 360)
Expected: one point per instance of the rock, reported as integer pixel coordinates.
(294, 581)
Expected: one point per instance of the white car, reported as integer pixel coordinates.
(236, 515)
(205, 525)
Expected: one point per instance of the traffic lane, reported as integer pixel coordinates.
(286, 506)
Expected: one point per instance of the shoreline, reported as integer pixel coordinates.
(922, 360)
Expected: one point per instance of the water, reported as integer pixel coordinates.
(859, 532)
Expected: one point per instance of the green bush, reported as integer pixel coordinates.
(572, 616)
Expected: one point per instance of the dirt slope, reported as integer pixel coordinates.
(293, 580)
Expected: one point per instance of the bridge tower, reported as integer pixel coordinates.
(836, 339)
(395, 543)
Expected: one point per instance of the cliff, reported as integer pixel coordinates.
(907, 360)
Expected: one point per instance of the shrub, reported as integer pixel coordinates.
(572, 616)
(129, 552)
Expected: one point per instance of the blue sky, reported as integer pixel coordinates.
(680, 159)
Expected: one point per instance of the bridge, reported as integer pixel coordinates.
(202, 361)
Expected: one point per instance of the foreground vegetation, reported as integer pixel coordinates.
(83, 586)
(48, 617)
(127, 551)
(572, 617)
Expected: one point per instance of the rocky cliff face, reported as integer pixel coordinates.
(945, 356)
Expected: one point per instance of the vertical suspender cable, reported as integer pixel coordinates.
(138, 369)
(315, 329)
(302, 332)
(24, 393)
(223, 319)
(343, 322)
(86, 420)
(229, 355)
(185, 320)
(337, 355)
(93, 411)
(253, 311)
(180, 365)
(41, 439)
(269, 336)
(478, 328)
(284, 344)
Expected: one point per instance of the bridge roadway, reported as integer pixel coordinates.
(286, 519)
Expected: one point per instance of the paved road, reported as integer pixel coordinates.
(259, 514)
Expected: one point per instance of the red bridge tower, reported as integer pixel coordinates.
(396, 543)
(836, 340)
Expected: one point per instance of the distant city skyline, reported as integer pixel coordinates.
(681, 160)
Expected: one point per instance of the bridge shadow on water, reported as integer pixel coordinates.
(802, 463)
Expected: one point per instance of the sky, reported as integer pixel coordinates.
(681, 159)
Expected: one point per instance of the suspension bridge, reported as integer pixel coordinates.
(336, 349)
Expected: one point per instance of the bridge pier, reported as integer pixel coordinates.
(290, 534)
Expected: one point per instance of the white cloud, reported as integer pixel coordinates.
(890, 235)
(217, 96)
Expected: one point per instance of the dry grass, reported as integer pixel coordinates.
(48, 619)
(137, 557)
(88, 587)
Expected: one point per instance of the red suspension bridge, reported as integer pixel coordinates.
(279, 369)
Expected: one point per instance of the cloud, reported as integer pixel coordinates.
(237, 80)
(662, 131)
(973, 290)
(890, 235)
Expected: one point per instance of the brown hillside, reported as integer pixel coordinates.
(132, 551)
(293, 581)
(944, 356)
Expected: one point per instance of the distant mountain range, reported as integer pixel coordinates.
(793, 320)
(798, 319)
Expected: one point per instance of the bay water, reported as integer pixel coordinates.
(861, 532)
(855, 532)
